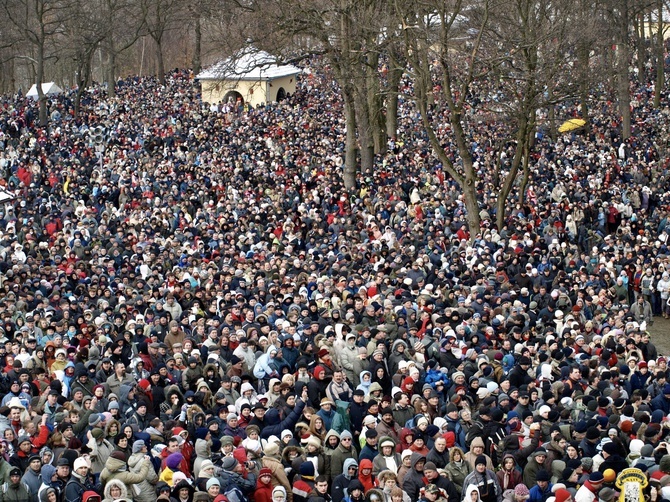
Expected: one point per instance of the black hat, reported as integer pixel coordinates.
(15, 472)
(370, 433)
(497, 415)
(257, 406)
(542, 475)
(592, 433)
(63, 462)
(567, 472)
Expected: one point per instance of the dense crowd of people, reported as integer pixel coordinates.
(194, 307)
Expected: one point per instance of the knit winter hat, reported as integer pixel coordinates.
(307, 470)
(229, 463)
(173, 460)
(521, 491)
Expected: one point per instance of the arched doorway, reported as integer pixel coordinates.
(233, 96)
(281, 94)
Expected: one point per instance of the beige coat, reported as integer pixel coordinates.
(278, 475)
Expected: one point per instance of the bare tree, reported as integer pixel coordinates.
(433, 47)
(161, 16)
(123, 22)
(86, 27)
(35, 25)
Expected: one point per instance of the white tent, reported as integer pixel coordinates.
(49, 89)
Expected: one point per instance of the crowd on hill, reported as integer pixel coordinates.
(194, 308)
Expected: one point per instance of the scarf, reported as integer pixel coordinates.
(391, 464)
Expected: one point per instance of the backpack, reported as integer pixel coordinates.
(233, 494)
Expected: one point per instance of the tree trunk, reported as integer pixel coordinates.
(363, 122)
(374, 97)
(111, 72)
(524, 178)
(660, 57)
(350, 161)
(638, 29)
(84, 76)
(394, 77)
(622, 90)
(198, 47)
(39, 78)
(623, 59)
(583, 58)
(470, 197)
(160, 61)
(553, 129)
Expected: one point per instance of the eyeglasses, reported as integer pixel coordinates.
(346, 439)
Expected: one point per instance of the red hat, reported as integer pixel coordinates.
(562, 495)
(626, 426)
(265, 472)
(144, 384)
(317, 369)
(642, 364)
(323, 353)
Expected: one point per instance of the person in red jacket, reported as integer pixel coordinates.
(264, 486)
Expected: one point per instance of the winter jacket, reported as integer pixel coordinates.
(146, 487)
(379, 464)
(273, 425)
(203, 452)
(75, 488)
(340, 489)
(338, 457)
(33, 481)
(439, 459)
(348, 356)
(508, 480)
(457, 473)
(278, 474)
(107, 493)
(414, 479)
(100, 452)
(486, 483)
(19, 492)
(117, 469)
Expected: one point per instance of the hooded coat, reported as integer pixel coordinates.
(414, 479)
(202, 452)
(108, 491)
(471, 457)
(146, 487)
(509, 479)
(341, 483)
